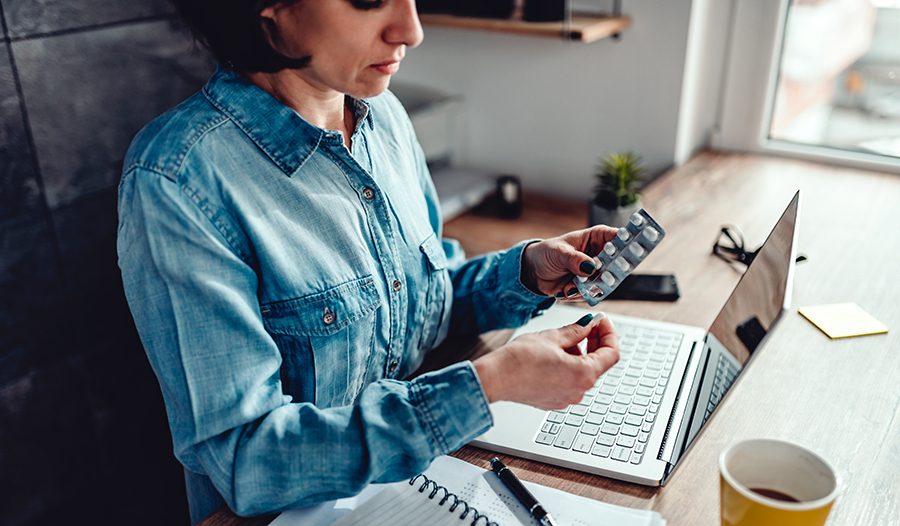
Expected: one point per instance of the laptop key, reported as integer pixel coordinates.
(630, 430)
(613, 418)
(583, 443)
(634, 420)
(600, 409)
(544, 438)
(609, 429)
(636, 458)
(574, 420)
(593, 418)
(625, 441)
(606, 440)
(621, 454)
(601, 451)
(566, 437)
(590, 429)
(556, 417)
(618, 409)
(607, 390)
(639, 447)
(578, 410)
(630, 380)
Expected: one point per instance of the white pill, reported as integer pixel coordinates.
(609, 248)
(651, 234)
(637, 219)
(622, 264)
(637, 250)
(608, 278)
(582, 278)
(624, 234)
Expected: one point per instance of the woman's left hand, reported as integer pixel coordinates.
(548, 265)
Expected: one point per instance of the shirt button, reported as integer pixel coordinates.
(328, 317)
(397, 285)
(393, 366)
(368, 193)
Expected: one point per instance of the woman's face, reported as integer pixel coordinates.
(355, 45)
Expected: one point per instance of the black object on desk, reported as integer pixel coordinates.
(525, 497)
(647, 287)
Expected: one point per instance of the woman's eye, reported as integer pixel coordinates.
(366, 4)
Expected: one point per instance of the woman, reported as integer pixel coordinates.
(280, 247)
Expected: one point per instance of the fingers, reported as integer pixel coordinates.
(571, 334)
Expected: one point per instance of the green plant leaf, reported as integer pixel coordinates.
(618, 176)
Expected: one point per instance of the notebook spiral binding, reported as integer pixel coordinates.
(457, 502)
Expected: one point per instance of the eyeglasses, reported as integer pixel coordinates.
(730, 246)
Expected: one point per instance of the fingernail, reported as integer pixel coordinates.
(587, 267)
(573, 291)
(560, 295)
(585, 319)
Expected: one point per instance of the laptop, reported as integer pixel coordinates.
(642, 415)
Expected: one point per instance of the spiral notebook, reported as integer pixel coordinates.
(476, 496)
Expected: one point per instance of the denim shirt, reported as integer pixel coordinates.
(283, 287)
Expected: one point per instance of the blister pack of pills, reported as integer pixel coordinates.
(619, 257)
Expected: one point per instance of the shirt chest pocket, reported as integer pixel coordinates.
(438, 297)
(326, 341)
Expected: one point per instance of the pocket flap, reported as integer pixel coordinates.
(324, 312)
(434, 252)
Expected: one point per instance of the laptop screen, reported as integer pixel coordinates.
(762, 293)
(757, 302)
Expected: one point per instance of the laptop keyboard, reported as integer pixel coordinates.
(725, 375)
(615, 417)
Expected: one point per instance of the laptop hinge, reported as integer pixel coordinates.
(676, 419)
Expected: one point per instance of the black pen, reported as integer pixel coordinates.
(525, 497)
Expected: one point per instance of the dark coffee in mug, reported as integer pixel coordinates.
(773, 494)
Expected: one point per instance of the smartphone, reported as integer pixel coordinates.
(647, 287)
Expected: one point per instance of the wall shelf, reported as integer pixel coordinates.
(582, 28)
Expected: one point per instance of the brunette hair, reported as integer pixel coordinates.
(233, 31)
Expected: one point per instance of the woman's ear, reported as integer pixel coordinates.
(269, 27)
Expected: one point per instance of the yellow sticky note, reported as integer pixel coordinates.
(843, 320)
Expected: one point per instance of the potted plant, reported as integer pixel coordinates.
(617, 197)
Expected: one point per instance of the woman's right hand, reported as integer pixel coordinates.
(546, 369)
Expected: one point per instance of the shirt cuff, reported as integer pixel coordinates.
(513, 292)
(452, 405)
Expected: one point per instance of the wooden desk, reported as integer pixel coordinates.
(841, 398)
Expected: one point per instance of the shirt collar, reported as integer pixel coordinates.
(276, 129)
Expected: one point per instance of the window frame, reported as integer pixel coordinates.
(749, 91)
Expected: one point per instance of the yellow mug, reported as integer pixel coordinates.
(775, 483)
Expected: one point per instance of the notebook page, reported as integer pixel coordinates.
(401, 503)
(482, 490)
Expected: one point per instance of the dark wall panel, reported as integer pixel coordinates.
(83, 430)
(89, 93)
(19, 192)
(30, 17)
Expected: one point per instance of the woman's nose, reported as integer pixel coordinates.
(405, 27)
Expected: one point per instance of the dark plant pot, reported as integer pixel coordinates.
(483, 8)
(544, 10)
(616, 217)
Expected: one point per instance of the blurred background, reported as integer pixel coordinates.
(839, 81)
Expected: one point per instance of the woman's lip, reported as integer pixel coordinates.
(387, 68)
